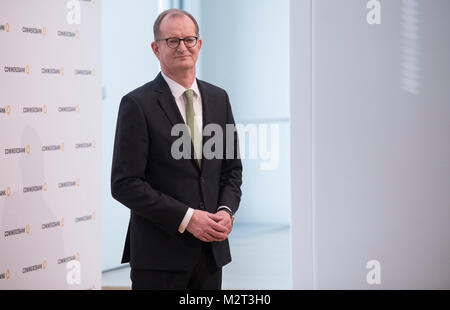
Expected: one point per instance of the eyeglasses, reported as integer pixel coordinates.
(175, 42)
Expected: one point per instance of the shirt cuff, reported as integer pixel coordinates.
(185, 221)
(225, 207)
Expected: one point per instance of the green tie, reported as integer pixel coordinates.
(190, 120)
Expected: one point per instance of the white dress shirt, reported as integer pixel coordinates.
(178, 93)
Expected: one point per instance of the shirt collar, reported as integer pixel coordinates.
(177, 89)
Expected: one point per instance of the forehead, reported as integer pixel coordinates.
(177, 25)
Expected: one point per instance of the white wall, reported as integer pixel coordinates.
(128, 62)
(374, 149)
(246, 52)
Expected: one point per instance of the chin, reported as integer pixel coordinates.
(185, 66)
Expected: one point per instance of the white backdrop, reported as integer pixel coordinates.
(50, 138)
(370, 120)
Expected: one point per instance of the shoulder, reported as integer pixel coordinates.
(144, 96)
(143, 92)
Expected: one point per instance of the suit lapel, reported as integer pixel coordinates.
(167, 102)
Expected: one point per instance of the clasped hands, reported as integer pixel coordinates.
(209, 227)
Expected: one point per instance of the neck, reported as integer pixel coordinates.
(184, 78)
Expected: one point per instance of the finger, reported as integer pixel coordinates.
(209, 238)
(217, 226)
(217, 236)
(204, 237)
(214, 216)
(226, 223)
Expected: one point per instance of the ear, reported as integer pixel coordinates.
(155, 49)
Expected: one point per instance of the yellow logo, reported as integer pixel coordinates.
(28, 228)
(45, 186)
(7, 27)
(45, 109)
(78, 182)
(8, 109)
(44, 264)
(28, 149)
(78, 256)
(62, 222)
(62, 70)
(62, 146)
(93, 216)
(27, 69)
(7, 274)
(8, 192)
(44, 31)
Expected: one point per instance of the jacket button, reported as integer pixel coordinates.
(201, 205)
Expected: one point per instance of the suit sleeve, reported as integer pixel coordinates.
(231, 173)
(128, 179)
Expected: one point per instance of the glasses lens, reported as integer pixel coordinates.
(190, 41)
(173, 42)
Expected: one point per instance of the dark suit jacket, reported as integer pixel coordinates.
(159, 189)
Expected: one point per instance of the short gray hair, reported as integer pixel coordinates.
(172, 12)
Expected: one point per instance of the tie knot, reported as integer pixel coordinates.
(189, 95)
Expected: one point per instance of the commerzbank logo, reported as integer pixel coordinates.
(17, 69)
(35, 188)
(5, 192)
(53, 224)
(85, 145)
(5, 275)
(57, 71)
(40, 266)
(17, 231)
(74, 183)
(89, 217)
(18, 150)
(53, 147)
(42, 109)
(91, 72)
(69, 108)
(4, 27)
(68, 34)
(35, 30)
(5, 110)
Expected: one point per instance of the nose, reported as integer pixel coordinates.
(182, 46)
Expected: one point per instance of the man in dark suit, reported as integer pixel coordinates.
(182, 210)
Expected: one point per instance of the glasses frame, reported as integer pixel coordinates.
(179, 41)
